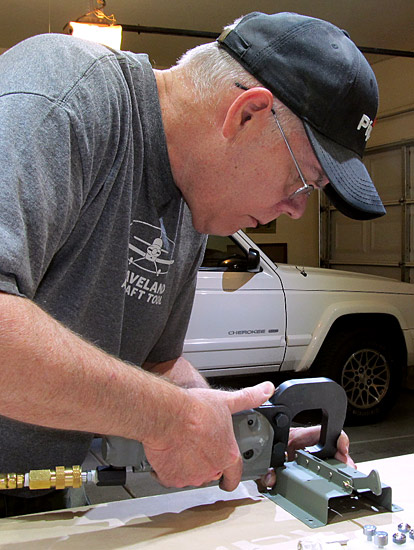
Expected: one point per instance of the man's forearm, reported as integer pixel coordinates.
(56, 379)
(180, 371)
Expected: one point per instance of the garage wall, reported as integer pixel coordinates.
(301, 236)
(384, 246)
(395, 122)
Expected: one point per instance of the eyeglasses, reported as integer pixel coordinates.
(306, 188)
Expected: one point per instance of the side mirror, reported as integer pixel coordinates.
(253, 260)
(237, 262)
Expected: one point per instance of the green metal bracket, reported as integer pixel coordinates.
(307, 487)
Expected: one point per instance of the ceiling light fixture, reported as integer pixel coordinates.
(97, 27)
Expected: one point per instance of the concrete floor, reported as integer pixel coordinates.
(392, 437)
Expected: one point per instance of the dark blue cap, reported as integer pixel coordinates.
(316, 70)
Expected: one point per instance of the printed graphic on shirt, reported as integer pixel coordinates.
(150, 259)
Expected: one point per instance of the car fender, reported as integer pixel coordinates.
(340, 309)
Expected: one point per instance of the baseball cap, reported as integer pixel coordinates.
(316, 70)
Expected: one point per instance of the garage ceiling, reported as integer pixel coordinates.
(373, 23)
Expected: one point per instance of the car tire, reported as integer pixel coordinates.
(369, 369)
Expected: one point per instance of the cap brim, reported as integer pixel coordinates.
(351, 189)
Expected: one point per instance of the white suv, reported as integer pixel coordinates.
(253, 316)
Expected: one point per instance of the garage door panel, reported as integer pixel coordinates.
(384, 246)
(349, 237)
(386, 169)
(379, 239)
(385, 236)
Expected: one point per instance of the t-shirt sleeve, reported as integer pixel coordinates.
(59, 132)
(40, 188)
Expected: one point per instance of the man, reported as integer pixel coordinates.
(112, 175)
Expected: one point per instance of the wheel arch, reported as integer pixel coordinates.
(381, 322)
(345, 315)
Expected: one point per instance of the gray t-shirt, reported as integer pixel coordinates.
(93, 228)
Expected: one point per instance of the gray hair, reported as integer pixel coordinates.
(222, 70)
(212, 72)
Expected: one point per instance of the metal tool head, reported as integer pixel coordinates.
(306, 394)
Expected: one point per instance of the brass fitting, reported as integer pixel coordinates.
(44, 479)
(11, 481)
(59, 479)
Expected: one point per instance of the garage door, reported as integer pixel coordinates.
(384, 246)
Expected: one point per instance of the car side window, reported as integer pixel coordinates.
(224, 254)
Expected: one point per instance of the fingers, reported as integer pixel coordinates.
(343, 444)
(346, 459)
(204, 447)
(342, 453)
(249, 398)
(299, 438)
(231, 476)
(268, 481)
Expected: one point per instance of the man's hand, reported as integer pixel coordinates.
(299, 438)
(199, 445)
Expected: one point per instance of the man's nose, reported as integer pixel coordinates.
(295, 208)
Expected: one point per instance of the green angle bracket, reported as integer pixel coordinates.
(307, 487)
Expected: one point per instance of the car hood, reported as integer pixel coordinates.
(320, 279)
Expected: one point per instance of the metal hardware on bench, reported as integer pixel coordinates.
(404, 527)
(399, 538)
(381, 539)
(369, 531)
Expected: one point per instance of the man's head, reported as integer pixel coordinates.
(317, 71)
(241, 170)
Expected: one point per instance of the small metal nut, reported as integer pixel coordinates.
(369, 531)
(399, 538)
(411, 534)
(404, 527)
(381, 539)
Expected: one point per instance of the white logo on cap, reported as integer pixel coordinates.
(366, 123)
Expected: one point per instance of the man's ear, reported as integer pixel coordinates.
(250, 107)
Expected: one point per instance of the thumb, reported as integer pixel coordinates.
(249, 398)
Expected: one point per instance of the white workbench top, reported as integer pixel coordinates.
(205, 519)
